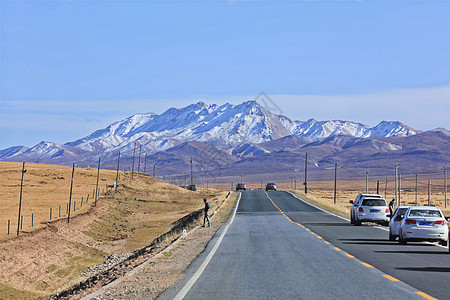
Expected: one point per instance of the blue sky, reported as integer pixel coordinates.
(69, 68)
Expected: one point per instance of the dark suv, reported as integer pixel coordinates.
(271, 186)
(192, 187)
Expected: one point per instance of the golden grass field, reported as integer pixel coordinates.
(42, 261)
(45, 187)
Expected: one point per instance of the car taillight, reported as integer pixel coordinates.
(387, 210)
(441, 222)
(410, 221)
(397, 219)
(361, 209)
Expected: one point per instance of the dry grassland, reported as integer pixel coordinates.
(321, 193)
(45, 187)
(52, 258)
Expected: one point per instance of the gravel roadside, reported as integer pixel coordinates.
(158, 273)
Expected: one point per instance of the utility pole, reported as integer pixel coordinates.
(378, 187)
(70, 195)
(154, 170)
(399, 189)
(145, 163)
(20, 199)
(385, 189)
(429, 192)
(117, 174)
(416, 190)
(396, 187)
(192, 176)
(132, 166)
(335, 179)
(445, 187)
(96, 186)
(139, 160)
(306, 173)
(367, 182)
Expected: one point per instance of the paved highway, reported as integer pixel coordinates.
(277, 246)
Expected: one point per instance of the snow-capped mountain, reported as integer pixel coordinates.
(321, 129)
(223, 126)
(238, 129)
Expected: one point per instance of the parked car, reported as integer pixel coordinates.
(369, 208)
(395, 222)
(271, 186)
(241, 186)
(192, 187)
(423, 223)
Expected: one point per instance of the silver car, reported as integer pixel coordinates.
(395, 222)
(423, 223)
(369, 208)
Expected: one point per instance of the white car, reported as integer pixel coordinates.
(369, 208)
(395, 222)
(423, 223)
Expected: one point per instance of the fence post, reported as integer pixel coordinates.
(21, 222)
(87, 199)
(50, 213)
(74, 205)
(32, 220)
(59, 214)
(9, 226)
(81, 202)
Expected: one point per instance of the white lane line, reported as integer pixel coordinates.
(182, 293)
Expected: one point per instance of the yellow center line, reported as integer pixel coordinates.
(349, 255)
(312, 233)
(390, 278)
(366, 265)
(326, 242)
(337, 249)
(319, 237)
(426, 296)
(307, 229)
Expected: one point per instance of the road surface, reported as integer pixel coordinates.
(277, 246)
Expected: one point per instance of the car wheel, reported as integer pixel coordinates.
(401, 240)
(356, 222)
(391, 237)
(443, 243)
(352, 221)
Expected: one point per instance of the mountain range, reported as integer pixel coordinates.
(238, 139)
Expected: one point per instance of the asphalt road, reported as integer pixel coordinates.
(280, 247)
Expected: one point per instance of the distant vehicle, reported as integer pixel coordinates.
(271, 186)
(395, 222)
(241, 186)
(192, 187)
(423, 223)
(369, 208)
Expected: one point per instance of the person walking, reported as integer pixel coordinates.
(206, 217)
(391, 207)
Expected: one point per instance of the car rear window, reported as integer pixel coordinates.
(431, 213)
(401, 212)
(374, 202)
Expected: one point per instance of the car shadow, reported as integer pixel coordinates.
(426, 269)
(327, 224)
(414, 252)
(377, 242)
